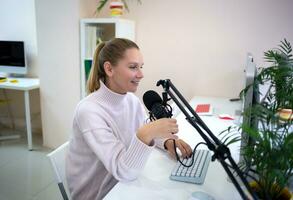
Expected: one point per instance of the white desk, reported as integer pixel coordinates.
(24, 84)
(154, 182)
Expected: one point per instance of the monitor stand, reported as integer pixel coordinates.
(16, 75)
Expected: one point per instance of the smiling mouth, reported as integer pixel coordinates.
(135, 82)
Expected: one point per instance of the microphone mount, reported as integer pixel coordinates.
(221, 151)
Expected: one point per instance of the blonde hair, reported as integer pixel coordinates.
(111, 51)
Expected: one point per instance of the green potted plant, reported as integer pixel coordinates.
(268, 160)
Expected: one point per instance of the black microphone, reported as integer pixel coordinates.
(155, 105)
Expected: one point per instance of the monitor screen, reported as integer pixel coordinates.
(250, 97)
(12, 57)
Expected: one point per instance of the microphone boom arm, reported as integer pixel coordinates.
(221, 151)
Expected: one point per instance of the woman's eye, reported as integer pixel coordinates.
(133, 67)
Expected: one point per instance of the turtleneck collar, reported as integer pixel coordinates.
(109, 96)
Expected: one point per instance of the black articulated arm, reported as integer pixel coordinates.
(220, 150)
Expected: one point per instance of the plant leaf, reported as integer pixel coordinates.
(125, 5)
(102, 3)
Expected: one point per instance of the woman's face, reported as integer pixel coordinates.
(126, 75)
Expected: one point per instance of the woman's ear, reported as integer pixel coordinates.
(108, 68)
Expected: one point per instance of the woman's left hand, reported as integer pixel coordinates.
(184, 148)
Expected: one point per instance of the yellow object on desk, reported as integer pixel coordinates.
(2, 80)
(13, 81)
(286, 114)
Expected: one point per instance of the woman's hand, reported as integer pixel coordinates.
(184, 148)
(161, 128)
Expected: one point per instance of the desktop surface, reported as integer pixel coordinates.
(154, 182)
(20, 83)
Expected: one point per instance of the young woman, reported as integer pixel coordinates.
(111, 141)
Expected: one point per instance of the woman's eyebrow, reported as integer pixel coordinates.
(135, 63)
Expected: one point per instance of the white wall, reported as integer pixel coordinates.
(17, 22)
(201, 44)
(58, 59)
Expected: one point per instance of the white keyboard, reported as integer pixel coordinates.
(195, 173)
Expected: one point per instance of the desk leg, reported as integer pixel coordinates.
(28, 119)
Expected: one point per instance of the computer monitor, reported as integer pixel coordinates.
(250, 98)
(12, 57)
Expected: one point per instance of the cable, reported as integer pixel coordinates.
(193, 152)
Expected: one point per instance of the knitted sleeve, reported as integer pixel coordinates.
(123, 162)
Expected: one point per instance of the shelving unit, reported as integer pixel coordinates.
(92, 31)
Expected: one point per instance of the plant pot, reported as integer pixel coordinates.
(116, 8)
(285, 194)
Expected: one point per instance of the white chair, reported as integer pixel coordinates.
(57, 158)
(6, 102)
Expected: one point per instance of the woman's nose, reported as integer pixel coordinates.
(140, 73)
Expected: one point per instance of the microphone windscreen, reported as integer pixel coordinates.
(150, 98)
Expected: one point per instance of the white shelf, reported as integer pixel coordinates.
(91, 29)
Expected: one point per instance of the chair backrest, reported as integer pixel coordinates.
(57, 158)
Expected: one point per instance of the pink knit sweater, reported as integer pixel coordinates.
(104, 148)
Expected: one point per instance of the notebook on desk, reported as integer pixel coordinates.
(204, 109)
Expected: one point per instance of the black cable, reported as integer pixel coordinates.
(193, 152)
